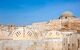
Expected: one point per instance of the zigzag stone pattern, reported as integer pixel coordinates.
(58, 34)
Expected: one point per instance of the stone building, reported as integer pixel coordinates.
(59, 34)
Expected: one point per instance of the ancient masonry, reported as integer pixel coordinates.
(59, 34)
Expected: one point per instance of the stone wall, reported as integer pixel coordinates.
(60, 34)
(30, 45)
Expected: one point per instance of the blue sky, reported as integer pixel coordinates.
(23, 12)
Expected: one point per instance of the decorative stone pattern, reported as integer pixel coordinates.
(59, 34)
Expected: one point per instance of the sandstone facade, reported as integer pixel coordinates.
(59, 34)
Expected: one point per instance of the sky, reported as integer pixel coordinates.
(25, 12)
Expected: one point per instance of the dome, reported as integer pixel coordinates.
(68, 13)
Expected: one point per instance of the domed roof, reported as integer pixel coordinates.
(68, 13)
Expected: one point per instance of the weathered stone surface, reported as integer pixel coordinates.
(59, 34)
